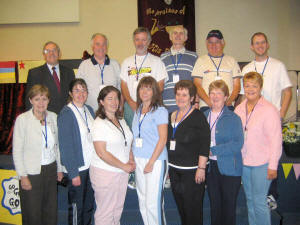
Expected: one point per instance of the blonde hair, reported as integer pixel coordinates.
(38, 89)
(219, 84)
(253, 76)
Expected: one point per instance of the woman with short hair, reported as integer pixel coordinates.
(37, 160)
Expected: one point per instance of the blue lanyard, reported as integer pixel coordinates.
(176, 64)
(217, 67)
(45, 134)
(138, 70)
(85, 120)
(218, 117)
(140, 122)
(247, 119)
(175, 127)
(262, 73)
(102, 72)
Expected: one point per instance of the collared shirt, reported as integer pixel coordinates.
(180, 51)
(56, 69)
(263, 141)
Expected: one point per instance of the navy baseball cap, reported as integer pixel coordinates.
(215, 33)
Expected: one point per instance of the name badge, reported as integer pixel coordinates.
(89, 137)
(212, 144)
(139, 142)
(172, 145)
(175, 78)
(245, 135)
(218, 78)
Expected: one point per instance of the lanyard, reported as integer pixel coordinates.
(102, 72)
(45, 134)
(140, 122)
(218, 117)
(175, 127)
(178, 61)
(138, 70)
(248, 118)
(120, 129)
(262, 73)
(217, 67)
(85, 120)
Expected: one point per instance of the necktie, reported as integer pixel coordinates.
(56, 80)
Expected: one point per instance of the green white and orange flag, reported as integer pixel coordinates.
(8, 72)
(25, 65)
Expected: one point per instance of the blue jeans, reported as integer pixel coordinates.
(256, 187)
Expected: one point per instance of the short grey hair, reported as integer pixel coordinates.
(99, 34)
(51, 42)
(142, 30)
(185, 31)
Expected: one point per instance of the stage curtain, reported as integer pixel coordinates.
(12, 104)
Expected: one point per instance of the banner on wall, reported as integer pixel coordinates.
(10, 208)
(24, 66)
(160, 16)
(8, 72)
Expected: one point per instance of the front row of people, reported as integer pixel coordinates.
(98, 152)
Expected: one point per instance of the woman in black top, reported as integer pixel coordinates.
(188, 148)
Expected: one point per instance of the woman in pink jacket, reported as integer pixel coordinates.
(262, 147)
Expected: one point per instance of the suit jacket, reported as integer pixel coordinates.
(42, 75)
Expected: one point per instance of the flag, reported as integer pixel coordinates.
(25, 65)
(8, 72)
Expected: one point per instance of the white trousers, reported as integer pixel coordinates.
(150, 191)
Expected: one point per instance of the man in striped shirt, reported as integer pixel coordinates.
(179, 64)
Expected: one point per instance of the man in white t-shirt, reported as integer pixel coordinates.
(277, 87)
(100, 70)
(137, 66)
(215, 66)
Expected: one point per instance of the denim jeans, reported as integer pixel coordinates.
(256, 187)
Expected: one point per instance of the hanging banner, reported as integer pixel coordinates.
(24, 66)
(160, 16)
(8, 72)
(10, 208)
(286, 168)
(296, 167)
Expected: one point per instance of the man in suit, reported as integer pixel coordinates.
(53, 75)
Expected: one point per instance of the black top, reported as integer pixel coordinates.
(192, 139)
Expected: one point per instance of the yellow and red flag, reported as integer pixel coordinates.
(25, 65)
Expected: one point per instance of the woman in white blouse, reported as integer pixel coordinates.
(36, 159)
(112, 160)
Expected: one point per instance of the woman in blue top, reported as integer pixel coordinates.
(225, 168)
(76, 149)
(149, 149)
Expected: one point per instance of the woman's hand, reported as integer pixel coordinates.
(148, 168)
(76, 181)
(25, 183)
(200, 176)
(272, 174)
(129, 167)
(60, 176)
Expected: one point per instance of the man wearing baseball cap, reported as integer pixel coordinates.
(216, 66)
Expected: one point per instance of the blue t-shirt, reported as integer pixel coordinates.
(149, 132)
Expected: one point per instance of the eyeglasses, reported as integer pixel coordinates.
(79, 91)
(47, 51)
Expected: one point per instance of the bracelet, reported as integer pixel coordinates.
(201, 168)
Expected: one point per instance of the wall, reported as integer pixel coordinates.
(238, 20)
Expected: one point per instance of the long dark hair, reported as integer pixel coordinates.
(156, 100)
(103, 93)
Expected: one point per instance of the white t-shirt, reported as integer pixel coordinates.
(152, 66)
(48, 154)
(206, 70)
(86, 138)
(104, 130)
(275, 78)
(90, 71)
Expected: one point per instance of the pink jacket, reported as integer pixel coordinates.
(263, 142)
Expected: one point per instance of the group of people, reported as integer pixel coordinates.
(172, 115)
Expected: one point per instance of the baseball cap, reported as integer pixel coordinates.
(215, 33)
